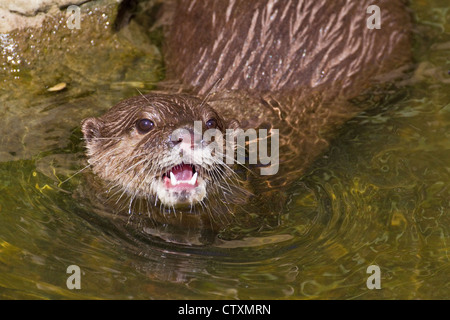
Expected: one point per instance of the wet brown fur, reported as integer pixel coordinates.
(291, 65)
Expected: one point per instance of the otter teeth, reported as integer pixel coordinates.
(174, 181)
(193, 179)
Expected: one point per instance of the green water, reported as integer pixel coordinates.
(379, 196)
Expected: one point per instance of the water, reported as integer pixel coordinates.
(378, 196)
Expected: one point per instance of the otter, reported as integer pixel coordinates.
(292, 66)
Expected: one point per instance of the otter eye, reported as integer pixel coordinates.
(144, 125)
(211, 123)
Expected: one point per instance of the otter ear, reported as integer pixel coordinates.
(91, 129)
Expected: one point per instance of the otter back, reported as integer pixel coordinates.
(277, 45)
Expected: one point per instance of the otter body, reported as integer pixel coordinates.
(287, 65)
(285, 45)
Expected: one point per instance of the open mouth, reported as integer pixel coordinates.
(181, 177)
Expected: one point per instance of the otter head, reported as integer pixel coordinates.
(150, 147)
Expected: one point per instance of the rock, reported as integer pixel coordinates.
(18, 14)
(98, 64)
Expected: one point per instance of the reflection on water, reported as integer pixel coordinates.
(378, 196)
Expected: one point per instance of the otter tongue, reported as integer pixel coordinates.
(182, 172)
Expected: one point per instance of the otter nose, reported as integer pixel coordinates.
(183, 136)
